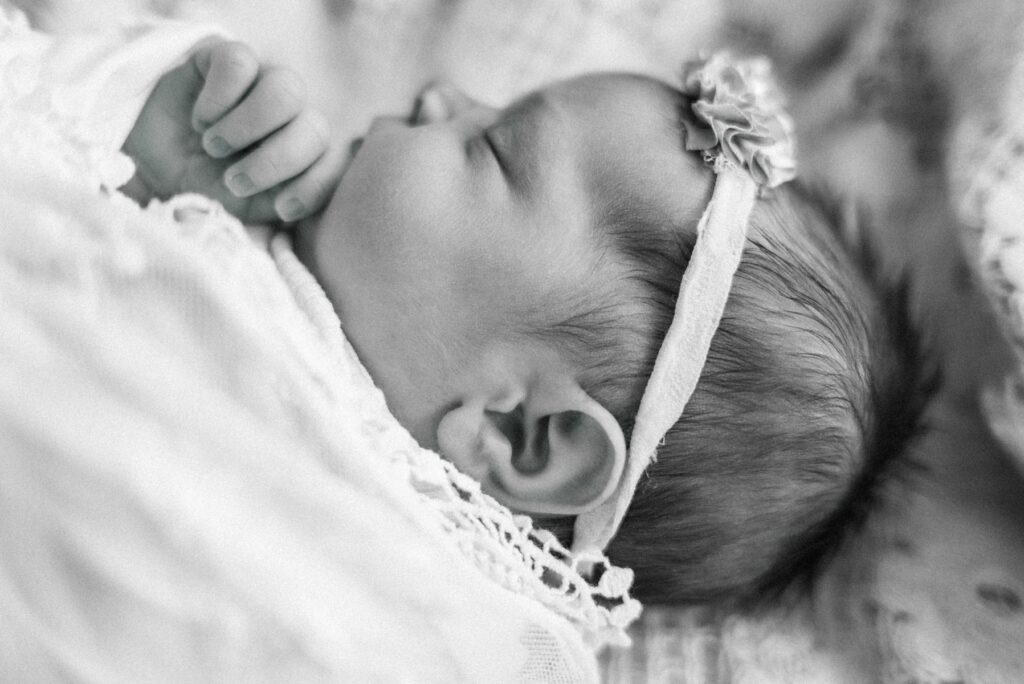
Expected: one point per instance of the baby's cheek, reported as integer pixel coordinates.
(404, 204)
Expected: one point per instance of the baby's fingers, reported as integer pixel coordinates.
(282, 156)
(311, 191)
(277, 98)
(228, 70)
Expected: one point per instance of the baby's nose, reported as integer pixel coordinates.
(441, 101)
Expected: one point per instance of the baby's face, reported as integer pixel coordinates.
(449, 228)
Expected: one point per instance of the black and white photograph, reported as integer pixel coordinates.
(512, 341)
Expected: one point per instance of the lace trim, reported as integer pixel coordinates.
(585, 589)
(503, 546)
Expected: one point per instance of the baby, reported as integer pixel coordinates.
(529, 262)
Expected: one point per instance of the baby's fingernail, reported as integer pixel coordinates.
(240, 184)
(216, 146)
(291, 209)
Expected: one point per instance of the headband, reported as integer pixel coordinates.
(735, 120)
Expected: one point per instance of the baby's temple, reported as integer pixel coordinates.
(510, 342)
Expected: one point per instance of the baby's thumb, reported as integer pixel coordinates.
(204, 176)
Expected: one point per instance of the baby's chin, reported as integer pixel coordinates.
(352, 149)
(304, 234)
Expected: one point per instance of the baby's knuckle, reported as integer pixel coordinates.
(268, 169)
(320, 127)
(237, 56)
(216, 103)
(286, 85)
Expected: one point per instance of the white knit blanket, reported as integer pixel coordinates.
(199, 481)
(930, 596)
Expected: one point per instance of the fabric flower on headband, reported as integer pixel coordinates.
(738, 118)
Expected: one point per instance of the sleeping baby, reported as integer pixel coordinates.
(603, 302)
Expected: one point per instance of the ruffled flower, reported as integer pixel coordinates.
(738, 118)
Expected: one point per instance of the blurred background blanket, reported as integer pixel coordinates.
(905, 107)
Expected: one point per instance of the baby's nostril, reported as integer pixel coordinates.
(417, 108)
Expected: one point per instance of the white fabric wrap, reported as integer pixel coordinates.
(199, 480)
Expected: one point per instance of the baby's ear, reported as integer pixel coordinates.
(553, 450)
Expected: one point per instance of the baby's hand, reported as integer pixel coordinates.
(240, 132)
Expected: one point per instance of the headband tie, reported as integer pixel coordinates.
(737, 123)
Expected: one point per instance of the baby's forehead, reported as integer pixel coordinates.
(618, 103)
(625, 133)
(623, 86)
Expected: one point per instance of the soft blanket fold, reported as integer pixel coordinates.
(199, 481)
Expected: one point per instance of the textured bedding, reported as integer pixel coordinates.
(199, 481)
(930, 592)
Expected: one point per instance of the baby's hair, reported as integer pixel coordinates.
(814, 386)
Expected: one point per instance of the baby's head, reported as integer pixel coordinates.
(508, 276)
